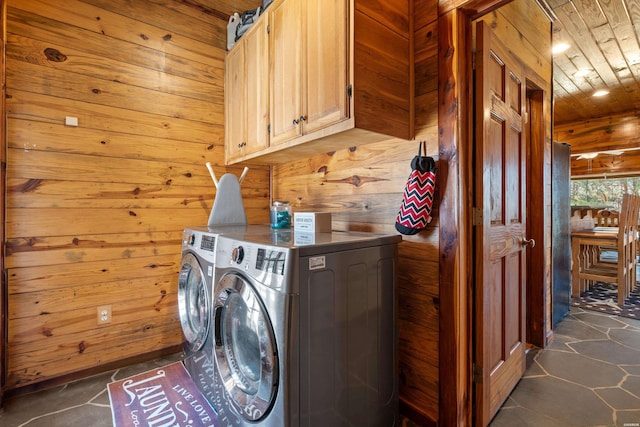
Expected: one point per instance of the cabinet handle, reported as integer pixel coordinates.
(295, 122)
(303, 118)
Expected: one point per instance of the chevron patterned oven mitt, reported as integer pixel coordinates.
(417, 201)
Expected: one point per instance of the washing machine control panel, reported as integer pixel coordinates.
(208, 243)
(202, 243)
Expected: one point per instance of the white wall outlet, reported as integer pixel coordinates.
(71, 121)
(104, 314)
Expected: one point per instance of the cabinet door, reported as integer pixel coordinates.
(257, 87)
(285, 44)
(235, 103)
(326, 71)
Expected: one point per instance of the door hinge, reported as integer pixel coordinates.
(268, 28)
(477, 373)
(349, 91)
(269, 128)
(478, 216)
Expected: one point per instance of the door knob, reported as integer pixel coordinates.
(528, 242)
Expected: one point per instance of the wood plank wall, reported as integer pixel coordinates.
(362, 187)
(95, 212)
(608, 133)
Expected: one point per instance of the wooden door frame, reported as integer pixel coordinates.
(455, 133)
(3, 192)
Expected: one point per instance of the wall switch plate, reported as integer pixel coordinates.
(104, 314)
(71, 121)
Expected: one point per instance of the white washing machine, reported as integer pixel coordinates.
(304, 329)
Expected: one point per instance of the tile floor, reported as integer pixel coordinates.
(589, 376)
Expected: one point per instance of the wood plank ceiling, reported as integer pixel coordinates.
(604, 39)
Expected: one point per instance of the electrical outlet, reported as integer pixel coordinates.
(104, 314)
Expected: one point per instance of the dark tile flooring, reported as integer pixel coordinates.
(589, 376)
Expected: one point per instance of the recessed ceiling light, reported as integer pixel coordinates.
(559, 48)
(582, 72)
(601, 93)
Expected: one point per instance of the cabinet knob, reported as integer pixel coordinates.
(295, 122)
(303, 118)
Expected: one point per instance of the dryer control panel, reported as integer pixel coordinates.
(271, 261)
(266, 264)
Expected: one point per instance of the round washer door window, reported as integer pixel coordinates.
(245, 348)
(193, 303)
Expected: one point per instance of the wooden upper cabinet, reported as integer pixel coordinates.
(309, 67)
(235, 104)
(285, 75)
(247, 94)
(326, 68)
(340, 75)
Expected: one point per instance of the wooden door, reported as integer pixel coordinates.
(325, 77)
(235, 103)
(285, 74)
(500, 215)
(257, 87)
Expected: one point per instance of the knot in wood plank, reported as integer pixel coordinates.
(54, 55)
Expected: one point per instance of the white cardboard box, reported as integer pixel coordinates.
(313, 222)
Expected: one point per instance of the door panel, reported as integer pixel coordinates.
(285, 44)
(235, 113)
(257, 90)
(499, 354)
(326, 63)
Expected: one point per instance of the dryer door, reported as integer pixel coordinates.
(245, 348)
(193, 303)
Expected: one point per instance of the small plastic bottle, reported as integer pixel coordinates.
(280, 215)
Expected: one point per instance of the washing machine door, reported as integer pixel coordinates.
(194, 304)
(245, 348)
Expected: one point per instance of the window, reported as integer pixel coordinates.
(602, 192)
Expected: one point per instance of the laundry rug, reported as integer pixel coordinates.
(603, 297)
(160, 397)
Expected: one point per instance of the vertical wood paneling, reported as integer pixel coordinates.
(362, 187)
(95, 213)
(3, 188)
(454, 143)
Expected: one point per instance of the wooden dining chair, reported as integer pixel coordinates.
(620, 271)
(606, 218)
